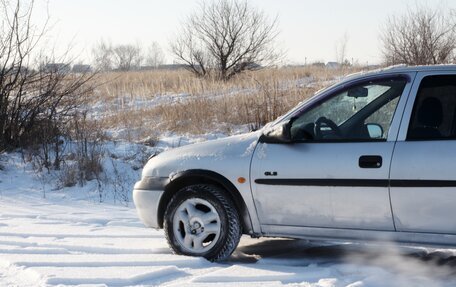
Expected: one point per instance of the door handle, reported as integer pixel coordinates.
(370, 161)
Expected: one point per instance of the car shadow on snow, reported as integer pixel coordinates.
(389, 257)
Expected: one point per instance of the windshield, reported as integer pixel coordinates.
(342, 107)
(298, 106)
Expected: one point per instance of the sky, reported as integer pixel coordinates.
(309, 29)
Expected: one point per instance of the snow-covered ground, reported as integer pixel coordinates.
(69, 238)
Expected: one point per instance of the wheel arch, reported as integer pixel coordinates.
(198, 176)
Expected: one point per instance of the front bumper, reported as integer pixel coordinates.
(146, 196)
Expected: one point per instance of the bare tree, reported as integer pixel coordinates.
(341, 49)
(226, 37)
(103, 56)
(154, 56)
(422, 36)
(127, 57)
(123, 57)
(34, 104)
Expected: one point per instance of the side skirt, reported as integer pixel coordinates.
(315, 233)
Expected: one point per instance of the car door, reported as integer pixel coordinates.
(335, 172)
(423, 171)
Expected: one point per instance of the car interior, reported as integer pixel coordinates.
(434, 112)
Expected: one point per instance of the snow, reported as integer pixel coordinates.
(262, 151)
(134, 103)
(249, 150)
(69, 238)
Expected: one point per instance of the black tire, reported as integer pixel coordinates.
(230, 229)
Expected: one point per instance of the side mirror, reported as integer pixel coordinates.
(375, 131)
(277, 134)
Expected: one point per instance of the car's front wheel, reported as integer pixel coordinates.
(201, 220)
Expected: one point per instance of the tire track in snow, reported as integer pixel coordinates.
(88, 248)
(67, 244)
(88, 236)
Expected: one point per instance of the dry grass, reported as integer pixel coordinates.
(150, 102)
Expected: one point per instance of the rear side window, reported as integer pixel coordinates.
(434, 111)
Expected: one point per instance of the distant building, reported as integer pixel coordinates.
(80, 68)
(318, 64)
(332, 65)
(172, 67)
(21, 70)
(253, 66)
(57, 68)
(163, 67)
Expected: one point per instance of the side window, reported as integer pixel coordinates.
(384, 115)
(434, 110)
(362, 112)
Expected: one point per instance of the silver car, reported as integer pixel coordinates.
(370, 158)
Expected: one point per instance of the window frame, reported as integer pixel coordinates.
(397, 115)
(414, 111)
(408, 111)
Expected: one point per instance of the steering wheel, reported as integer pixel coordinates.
(328, 123)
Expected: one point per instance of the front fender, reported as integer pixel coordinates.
(199, 176)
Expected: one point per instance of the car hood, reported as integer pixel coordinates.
(215, 155)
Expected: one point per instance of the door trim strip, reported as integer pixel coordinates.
(356, 182)
(322, 182)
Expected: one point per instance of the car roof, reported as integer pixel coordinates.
(400, 69)
(391, 70)
(405, 68)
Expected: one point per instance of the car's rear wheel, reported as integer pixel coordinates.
(201, 220)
